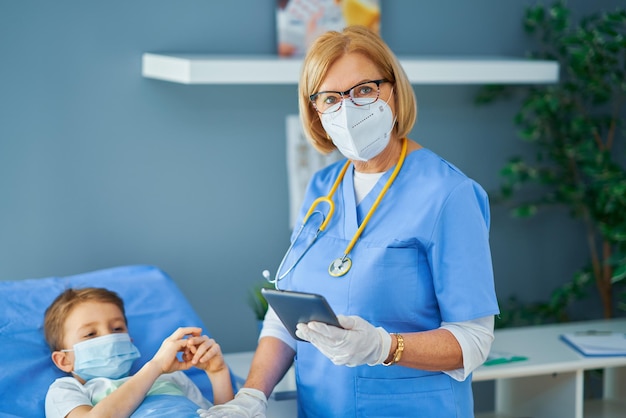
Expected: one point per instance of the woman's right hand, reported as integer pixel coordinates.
(248, 403)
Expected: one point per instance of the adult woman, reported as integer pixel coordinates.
(414, 285)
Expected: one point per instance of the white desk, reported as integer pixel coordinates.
(548, 385)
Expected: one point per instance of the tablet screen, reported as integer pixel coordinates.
(295, 307)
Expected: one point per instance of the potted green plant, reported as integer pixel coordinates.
(256, 301)
(576, 128)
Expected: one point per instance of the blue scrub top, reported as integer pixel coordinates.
(423, 258)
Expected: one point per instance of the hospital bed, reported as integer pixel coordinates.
(155, 307)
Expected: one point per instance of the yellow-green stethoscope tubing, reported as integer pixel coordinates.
(341, 265)
(325, 219)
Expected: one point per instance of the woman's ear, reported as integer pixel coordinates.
(63, 361)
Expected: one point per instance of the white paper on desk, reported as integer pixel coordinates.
(597, 343)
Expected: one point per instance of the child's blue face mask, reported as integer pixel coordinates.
(108, 356)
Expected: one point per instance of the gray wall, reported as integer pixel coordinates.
(100, 167)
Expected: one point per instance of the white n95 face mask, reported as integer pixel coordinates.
(109, 356)
(360, 132)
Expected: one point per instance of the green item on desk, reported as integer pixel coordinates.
(496, 357)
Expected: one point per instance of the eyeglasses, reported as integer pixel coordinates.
(362, 94)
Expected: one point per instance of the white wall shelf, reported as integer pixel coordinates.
(215, 69)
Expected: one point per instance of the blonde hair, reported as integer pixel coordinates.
(327, 49)
(64, 304)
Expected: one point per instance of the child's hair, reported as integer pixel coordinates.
(62, 306)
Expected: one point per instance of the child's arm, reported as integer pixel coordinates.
(206, 354)
(123, 401)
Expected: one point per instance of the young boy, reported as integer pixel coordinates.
(87, 332)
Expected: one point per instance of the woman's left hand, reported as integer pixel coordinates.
(357, 343)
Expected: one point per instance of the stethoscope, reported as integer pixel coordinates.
(340, 266)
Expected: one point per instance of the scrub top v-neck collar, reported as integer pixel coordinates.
(353, 213)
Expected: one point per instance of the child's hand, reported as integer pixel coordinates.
(204, 353)
(166, 358)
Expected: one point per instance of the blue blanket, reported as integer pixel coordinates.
(166, 406)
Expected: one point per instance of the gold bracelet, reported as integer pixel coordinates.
(397, 355)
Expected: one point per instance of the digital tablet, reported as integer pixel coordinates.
(295, 307)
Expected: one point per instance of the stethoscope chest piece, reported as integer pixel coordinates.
(340, 266)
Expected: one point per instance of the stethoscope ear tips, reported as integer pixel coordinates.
(266, 274)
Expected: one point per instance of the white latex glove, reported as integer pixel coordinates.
(358, 343)
(248, 403)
